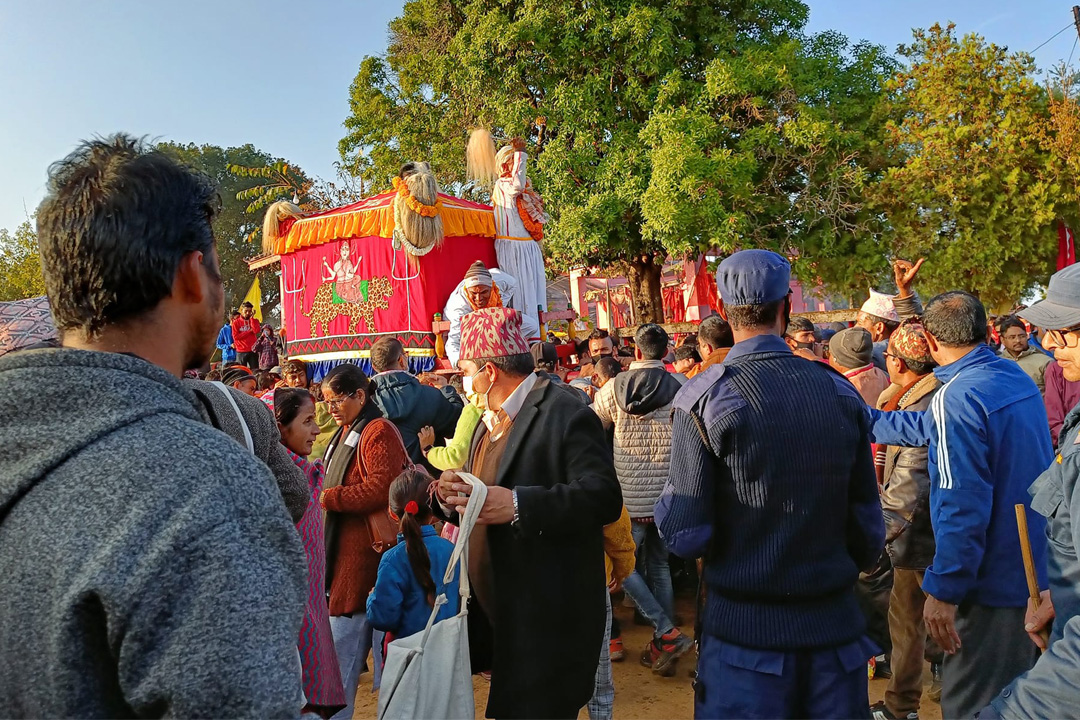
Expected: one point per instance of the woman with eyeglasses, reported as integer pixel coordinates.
(362, 460)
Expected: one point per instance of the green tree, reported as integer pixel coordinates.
(611, 97)
(235, 228)
(20, 264)
(974, 188)
(775, 149)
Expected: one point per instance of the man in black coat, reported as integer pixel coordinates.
(538, 570)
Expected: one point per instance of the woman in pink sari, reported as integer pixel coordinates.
(295, 411)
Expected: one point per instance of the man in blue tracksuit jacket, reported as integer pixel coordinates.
(987, 438)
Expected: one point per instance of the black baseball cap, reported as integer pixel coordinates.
(1061, 308)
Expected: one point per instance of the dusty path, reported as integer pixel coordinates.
(640, 694)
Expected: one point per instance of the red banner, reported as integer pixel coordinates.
(343, 295)
(1066, 247)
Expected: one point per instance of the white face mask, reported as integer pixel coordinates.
(469, 386)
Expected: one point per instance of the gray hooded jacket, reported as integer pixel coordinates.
(217, 411)
(149, 566)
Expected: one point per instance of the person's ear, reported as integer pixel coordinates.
(191, 283)
(932, 343)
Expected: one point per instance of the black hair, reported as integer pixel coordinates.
(247, 304)
(919, 367)
(800, 324)
(690, 339)
(414, 485)
(264, 381)
(513, 365)
(315, 388)
(406, 170)
(716, 331)
(599, 334)
(685, 352)
(294, 366)
(348, 379)
(1010, 321)
(288, 402)
(385, 354)
(753, 316)
(117, 221)
(608, 367)
(234, 313)
(956, 319)
(235, 372)
(652, 341)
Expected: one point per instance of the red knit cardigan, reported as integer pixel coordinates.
(380, 458)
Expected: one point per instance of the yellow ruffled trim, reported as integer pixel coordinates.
(379, 221)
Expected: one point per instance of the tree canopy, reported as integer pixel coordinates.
(655, 127)
(235, 227)
(20, 264)
(974, 186)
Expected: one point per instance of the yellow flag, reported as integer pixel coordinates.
(254, 296)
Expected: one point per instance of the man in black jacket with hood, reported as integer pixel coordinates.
(408, 404)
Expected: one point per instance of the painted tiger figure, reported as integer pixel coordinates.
(325, 310)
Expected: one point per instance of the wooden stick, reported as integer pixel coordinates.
(1029, 562)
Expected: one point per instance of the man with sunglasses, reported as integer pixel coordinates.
(987, 443)
(1052, 687)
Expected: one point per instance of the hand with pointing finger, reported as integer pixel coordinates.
(904, 273)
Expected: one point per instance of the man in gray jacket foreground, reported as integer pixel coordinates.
(150, 566)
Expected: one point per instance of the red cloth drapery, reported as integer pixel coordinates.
(1066, 247)
(674, 308)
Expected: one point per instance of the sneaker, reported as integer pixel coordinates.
(673, 646)
(618, 652)
(934, 693)
(882, 668)
(878, 711)
(650, 654)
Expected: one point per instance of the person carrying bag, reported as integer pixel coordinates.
(428, 675)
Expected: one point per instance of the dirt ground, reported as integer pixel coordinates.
(640, 694)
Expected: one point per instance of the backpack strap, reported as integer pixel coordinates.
(239, 415)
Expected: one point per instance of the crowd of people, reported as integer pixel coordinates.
(247, 542)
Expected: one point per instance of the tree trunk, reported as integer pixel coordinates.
(644, 276)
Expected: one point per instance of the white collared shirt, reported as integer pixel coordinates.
(512, 405)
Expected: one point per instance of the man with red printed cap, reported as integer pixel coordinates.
(537, 564)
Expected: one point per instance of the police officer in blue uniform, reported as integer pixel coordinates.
(772, 481)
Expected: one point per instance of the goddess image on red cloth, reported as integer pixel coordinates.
(348, 287)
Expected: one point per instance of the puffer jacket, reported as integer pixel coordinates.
(637, 404)
(905, 494)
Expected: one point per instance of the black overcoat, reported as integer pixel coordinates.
(549, 577)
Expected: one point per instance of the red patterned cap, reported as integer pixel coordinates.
(909, 342)
(492, 333)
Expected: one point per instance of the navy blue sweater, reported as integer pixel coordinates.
(772, 480)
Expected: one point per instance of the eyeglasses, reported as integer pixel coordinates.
(337, 402)
(1060, 338)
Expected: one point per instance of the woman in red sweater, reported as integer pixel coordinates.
(362, 460)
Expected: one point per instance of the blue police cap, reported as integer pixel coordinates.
(753, 277)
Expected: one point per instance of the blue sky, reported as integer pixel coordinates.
(276, 74)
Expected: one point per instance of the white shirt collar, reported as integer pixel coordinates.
(512, 405)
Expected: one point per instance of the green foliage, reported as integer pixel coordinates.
(653, 126)
(235, 227)
(974, 188)
(774, 149)
(20, 264)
